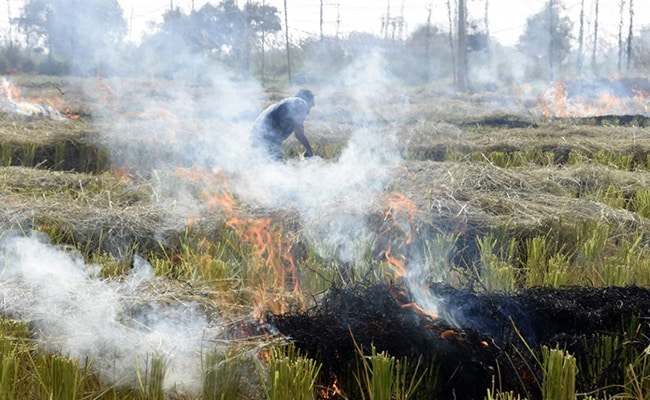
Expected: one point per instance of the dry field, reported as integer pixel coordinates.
(484, 193)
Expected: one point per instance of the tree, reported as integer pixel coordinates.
(81, 32)
(425, 55)
(261, 19)
(223, 30)
(546, 40)
(642, 50)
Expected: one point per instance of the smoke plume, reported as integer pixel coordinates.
(200, 117)
(76, 313)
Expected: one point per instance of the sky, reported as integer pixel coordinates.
(507, 18)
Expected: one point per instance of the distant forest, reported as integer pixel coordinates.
(89, 38)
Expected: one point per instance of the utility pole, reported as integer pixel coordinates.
(130, 24)
(386, 22)
(11, 42)
(263, 48)
(401, 22)
(286, 34)
(321, 20)
(247, 38)
(451, 43)
(486, 21)
(551, 41)
(427, 44)
(461, 84)
(581, 38)
(629, 36)
(621, 8)
(338, 19)
(593, 53)
(486, 18)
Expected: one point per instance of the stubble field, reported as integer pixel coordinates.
(472, 232)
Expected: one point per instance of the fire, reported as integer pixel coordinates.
(554, 102)
(607, 103)
(274, 250)
(448, 334)
(641, 98)
(126, 108)
(331, 392)
(269, 245)
(10, 91)
(105, 93)
(54, 107)
(397, 263)
(557, 102)
(122, 174)
(402, 212)
(400, 296)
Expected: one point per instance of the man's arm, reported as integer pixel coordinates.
(300, 135)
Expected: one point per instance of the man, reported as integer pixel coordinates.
(279, 121)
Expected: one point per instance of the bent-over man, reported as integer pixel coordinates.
(278, 121)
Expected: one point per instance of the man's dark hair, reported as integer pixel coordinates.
(306, 95)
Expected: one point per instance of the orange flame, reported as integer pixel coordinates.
(641, 98)
(398, 263)
(607, 103)
(122, 175)
(556, 103)
(268, 244)
(331, 392)
(401, 212)
(13, 93)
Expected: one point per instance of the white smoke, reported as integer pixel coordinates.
(75, 312)
(333, 198)
(201, 118)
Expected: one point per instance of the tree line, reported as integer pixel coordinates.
(84, 37)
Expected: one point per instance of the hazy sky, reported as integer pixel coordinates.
(506, 17)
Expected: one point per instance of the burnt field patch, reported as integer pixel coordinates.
(477, 335)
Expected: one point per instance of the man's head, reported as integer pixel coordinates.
(306, 95)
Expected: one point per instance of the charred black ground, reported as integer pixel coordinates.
(480, 337)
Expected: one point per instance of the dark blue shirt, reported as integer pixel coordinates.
(280, 120)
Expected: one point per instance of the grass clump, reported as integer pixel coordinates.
(637, 378)
(559, 374)
(640, 202)
(15, 352)
(497, 272)
(61, 377)
(289, 375)
(383, 377)
(151, 380)
(222, 374)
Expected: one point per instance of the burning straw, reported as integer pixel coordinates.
(496, 336)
